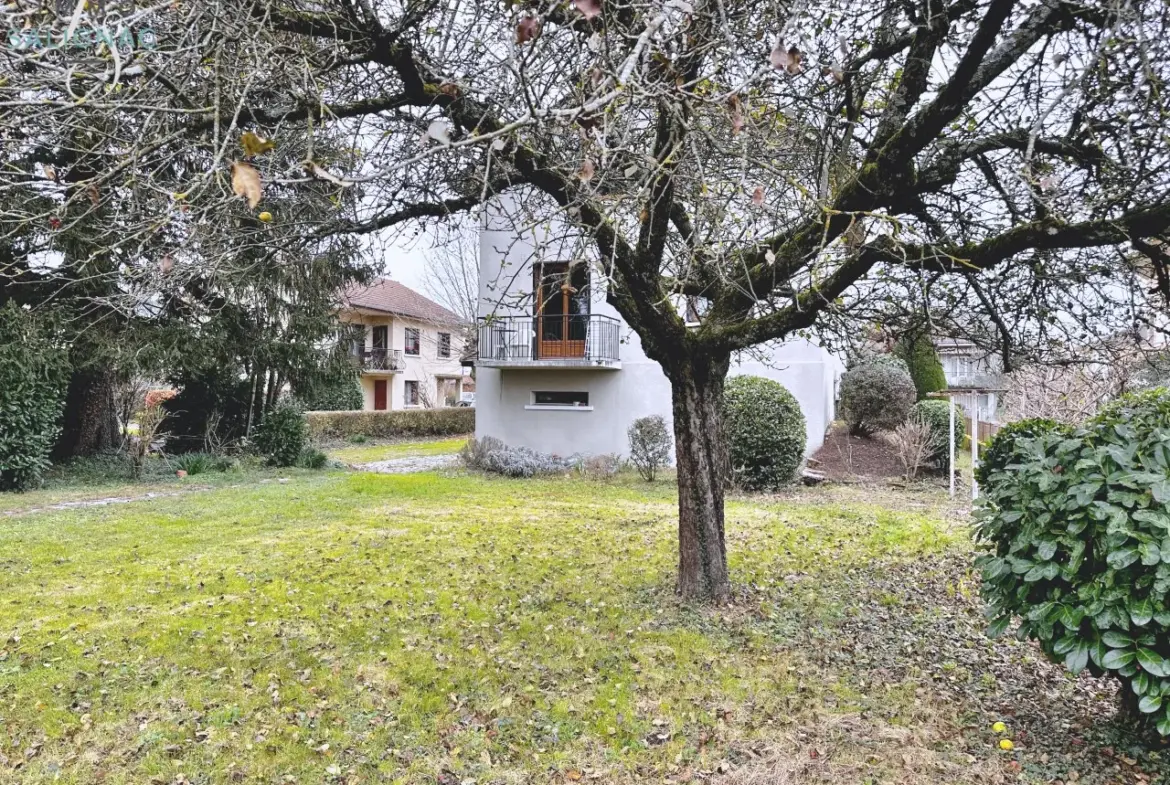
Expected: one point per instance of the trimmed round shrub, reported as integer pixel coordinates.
(1001, 450)
(650, 445)
(283, 434)
(765, 432)
(921, 358)
(937, 416)
(1077, 547)
(34, 372)
(876, 395)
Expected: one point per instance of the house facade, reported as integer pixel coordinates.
(967, 367)
(407, 346)
(559, 371)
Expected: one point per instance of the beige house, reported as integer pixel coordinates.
(408, 346)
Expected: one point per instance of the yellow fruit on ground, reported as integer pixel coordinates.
(1006, 744)
(999, 727)
(265, 216)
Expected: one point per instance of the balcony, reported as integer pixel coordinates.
(560, 341)
(380, 360)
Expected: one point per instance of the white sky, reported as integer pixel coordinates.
(405, 262)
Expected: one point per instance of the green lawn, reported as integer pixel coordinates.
(426, 628)
(384, 451)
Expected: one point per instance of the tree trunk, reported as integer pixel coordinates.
(701, 454)
(89, 423)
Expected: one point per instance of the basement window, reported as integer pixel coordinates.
(557, 399)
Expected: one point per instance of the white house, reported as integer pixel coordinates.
(408, 347)
(967, 367)
(562, 373)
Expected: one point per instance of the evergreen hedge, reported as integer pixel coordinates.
(34, 372)
(452, 421)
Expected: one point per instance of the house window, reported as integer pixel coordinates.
(558, 398)
(444, 344)
(411, 391)
(412, 341)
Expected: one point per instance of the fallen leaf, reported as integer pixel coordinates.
(94, 195)
(588, 8)
(737, 119)
(254, 144)
(786, 59)
(587, 170)
(246, 182)
(527, 29)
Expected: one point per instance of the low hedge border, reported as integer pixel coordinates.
(452, 421)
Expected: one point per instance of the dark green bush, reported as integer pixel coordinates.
(937, 415)
(876, 395)
(1077, 543)
(34, 371)
(918, 352)
(282, 434)
(1001, 450)
(214, 401)
(453, 421)
(765, 432)
(312, 458)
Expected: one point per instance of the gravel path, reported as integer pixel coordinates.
(419, 463)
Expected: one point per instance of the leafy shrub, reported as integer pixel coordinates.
(650, 445)
(918, 352)
(340, 392)
(876, 395)
(282, 434)
(1077, 546)
(936, 415)
(451, 421)
(358, 438)
(491, 455)
(1001, 450)
(34, 371)
(195, 463)
(210, 409)
(474, 453)
(312, 458)
(157, 397)
(765, 432)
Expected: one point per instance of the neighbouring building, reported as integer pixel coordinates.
(559, 371)
(408, 347)
(967, 367)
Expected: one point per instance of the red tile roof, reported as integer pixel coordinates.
(392, 297)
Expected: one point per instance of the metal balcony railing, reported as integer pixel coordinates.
(568, 337)
(380, 360)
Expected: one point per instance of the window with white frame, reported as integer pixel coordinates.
(444, 344)
(412, 342)
(551, 398)
(410, 392)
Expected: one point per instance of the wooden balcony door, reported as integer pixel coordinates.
(562, 309)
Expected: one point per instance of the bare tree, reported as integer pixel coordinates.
(452, 277)
(795, 167)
